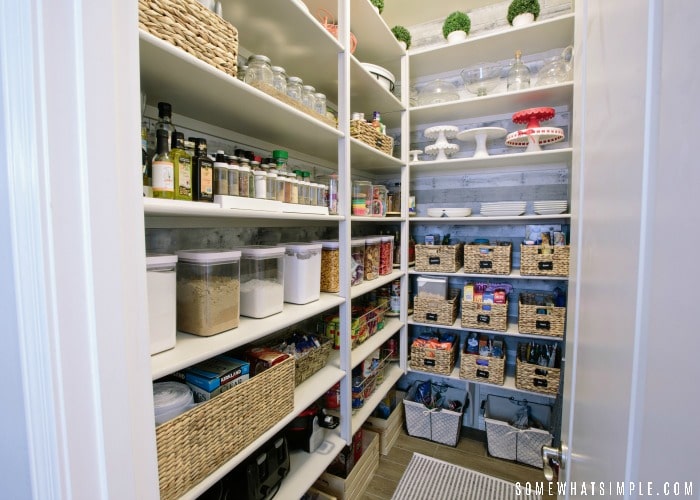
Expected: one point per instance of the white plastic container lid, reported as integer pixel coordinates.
(329, 244)
(209, 255)
(262, 251)
(387, 238)
(356, 242)
(168, 396)
(301, 246)
(160, 260)
(373, 240)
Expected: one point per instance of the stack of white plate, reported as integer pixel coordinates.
(549, 207)
(503, 208)
(449, 212)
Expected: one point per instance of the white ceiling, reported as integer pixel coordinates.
(411, 12)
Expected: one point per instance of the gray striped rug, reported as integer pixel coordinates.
(428, 478)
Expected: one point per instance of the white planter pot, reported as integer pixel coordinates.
(523, 19)
(403, 45)
(456, 36)
(375, 8)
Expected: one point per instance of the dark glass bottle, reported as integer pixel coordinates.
(202, 172)
(182, 167)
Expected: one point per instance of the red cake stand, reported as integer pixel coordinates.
(534, 135)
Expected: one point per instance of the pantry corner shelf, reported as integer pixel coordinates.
(514, 275)
(191, 349)
(369, 285)
(304, 395)
(511, 330)
(367, 159)
(366, 92)
(483, 220)
(392, 373)
(364, 350)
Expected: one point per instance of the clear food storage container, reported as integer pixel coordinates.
(208, 291)
(302, 272)
(330, 266)
(262, 280)
(372, 247)
(386, 255)
(162, 303)
(357, 264)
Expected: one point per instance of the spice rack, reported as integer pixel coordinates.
(238, 112)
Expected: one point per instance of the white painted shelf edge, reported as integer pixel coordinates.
(514, 275)
(361, 352)
(392, 374)
(512, 330)
(369, 285)
(191, 349)
(304, 395)
(479, 219)
(536, 159)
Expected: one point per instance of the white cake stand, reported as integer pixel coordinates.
(442, 147)
(481, 135)
(533, 138)
(414, 154)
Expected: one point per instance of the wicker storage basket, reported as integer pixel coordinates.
(312, 361)
(529, 377)
(193, 28)
(485, 316)
(487, 259)
(439, 258)
(485, 369)
(193, 445)
(544, 260)
(429, 360)
(365, 132)
(436, 311)
(541, 320)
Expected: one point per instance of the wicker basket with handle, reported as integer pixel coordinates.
(544, 260)
(487, 259)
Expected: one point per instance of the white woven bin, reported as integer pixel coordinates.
(509, 442)
(439, 425)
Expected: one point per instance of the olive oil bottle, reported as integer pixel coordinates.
(182, 167)
(202, 172)
(162, 168)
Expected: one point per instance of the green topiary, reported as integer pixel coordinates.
(378, 4)
(457, 21)
(402, 35)
(518, 7)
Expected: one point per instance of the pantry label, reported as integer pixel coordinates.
(539, 382)
(482, 374)
(485, 264)
(434, 260)
(542, 325)
(431, 316)
(429, 362)
(483, 318)
(545, 266)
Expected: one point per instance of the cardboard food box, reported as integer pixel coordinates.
(216, 375)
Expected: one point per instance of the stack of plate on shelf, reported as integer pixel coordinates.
(503, 208)
(449, 212)
(549, 207)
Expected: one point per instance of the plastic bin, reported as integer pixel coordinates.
(302, 272)
(162, 301)
(372, 255)
(330, 266)
(262, 280)
(208, 291)
(357, 264)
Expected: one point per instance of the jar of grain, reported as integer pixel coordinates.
(330, 266)
(208, 291)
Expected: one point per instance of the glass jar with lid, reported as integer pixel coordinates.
(361, 197)
(320, 103)
(294, 85)
(271, 188)
(233, 174)
(259, 70)
(301, 188)
(379, 200)
(220, 173)
(293, 183)
(307, 96)
(322, 195)
(242, 70)
(279, 79)
(260, 178)
(281, 158)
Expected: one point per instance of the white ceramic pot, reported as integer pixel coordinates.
(456, 36)
(402, 44)
(523, 19)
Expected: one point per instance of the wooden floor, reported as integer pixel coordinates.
(471, 452)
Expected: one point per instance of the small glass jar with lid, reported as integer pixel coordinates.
(307, 96)
(322, 195)
(260, 177)
(320, 103)
(313, 194)
(242, 70)
(221, 174)
(259, 70)
(279, 79)
(244, 179)
(281, 158)
(294, 85)
(271, 188)
(293, 183)
(301, 188)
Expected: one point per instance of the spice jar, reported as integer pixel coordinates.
(279, 79)
(259, 70)
(322, 195)
(313, 194)
(244, 178)
(357, 264)
(293, 184)
(307, 96)
(221, 174)
(294, 85)
(320, 103)
(372, 251)
(271, 188)
(361, 195)
(233, 174)
(386, 255)
(260, 177)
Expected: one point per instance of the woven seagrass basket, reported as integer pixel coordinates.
(529, 377)
(544, 260)
(487, 259)
(485, 316)
(196, 443)
(541, 320)
(439, 258)
(486, 369)
(430, 360)
(436, 311)
(365, 132)
(193, 28)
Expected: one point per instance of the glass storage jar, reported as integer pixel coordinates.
(271, 189)
(307, 96)
(208, 291)
(294, 85)
(320, 103)
(259, 70)
(361, 196)
(279, 79)
(244, 179)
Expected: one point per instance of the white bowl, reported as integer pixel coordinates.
(449, 212)
(384, 76)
